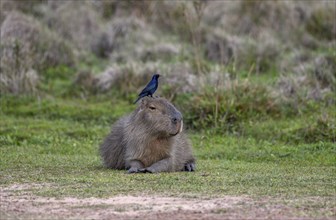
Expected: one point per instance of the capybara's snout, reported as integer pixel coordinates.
(176, 119)
(177, 122)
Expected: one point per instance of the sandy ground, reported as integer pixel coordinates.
(18, 202)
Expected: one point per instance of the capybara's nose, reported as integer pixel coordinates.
(177, 118)
(174, 120)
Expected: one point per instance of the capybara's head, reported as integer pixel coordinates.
(160, 116)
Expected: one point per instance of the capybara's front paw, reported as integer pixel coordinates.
(147, 170)
(189, 167)
(133, 170)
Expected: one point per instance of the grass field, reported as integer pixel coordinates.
(56, 141)
(280, 160)
(257, 95)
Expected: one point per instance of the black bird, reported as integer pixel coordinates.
(150, 88)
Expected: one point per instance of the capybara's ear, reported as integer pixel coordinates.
(144, 102)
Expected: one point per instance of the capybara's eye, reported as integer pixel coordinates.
(152, 107)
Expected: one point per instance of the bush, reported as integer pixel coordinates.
(78, 23)
(126, 79)
(321, 129)
(257, 55)
(225, 107)
(30, 7)
(321, 23)
(26, 45)
(313, 78)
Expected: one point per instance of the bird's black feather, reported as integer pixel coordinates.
(150, 88)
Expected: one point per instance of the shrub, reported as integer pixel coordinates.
(30, 7)
(78, 23)
(127, 80)
(312, 79)
(224, 107)
(131, 78)
(26, 45)
(321, 23)
(244, 53)
(321, 129)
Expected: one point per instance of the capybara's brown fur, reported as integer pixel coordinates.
(150, 139)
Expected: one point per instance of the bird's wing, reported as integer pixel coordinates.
(151, 85)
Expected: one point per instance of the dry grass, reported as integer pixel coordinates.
(180, 40)
(27, 47)
(78, 23)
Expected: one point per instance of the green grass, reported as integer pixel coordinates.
(56, 141)
(249, 140)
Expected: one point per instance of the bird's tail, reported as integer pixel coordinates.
(137, 99)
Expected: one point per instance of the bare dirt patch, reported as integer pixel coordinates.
(18, 202)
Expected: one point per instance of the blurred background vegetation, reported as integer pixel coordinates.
(250, 68)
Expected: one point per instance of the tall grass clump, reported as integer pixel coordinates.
(318, 129)
(27, 48)
(80, 24)
(321, 23)
(223, 108)
(16, 76)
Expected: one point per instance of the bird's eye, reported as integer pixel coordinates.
(152, 107)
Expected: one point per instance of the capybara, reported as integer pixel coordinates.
(150, 139)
